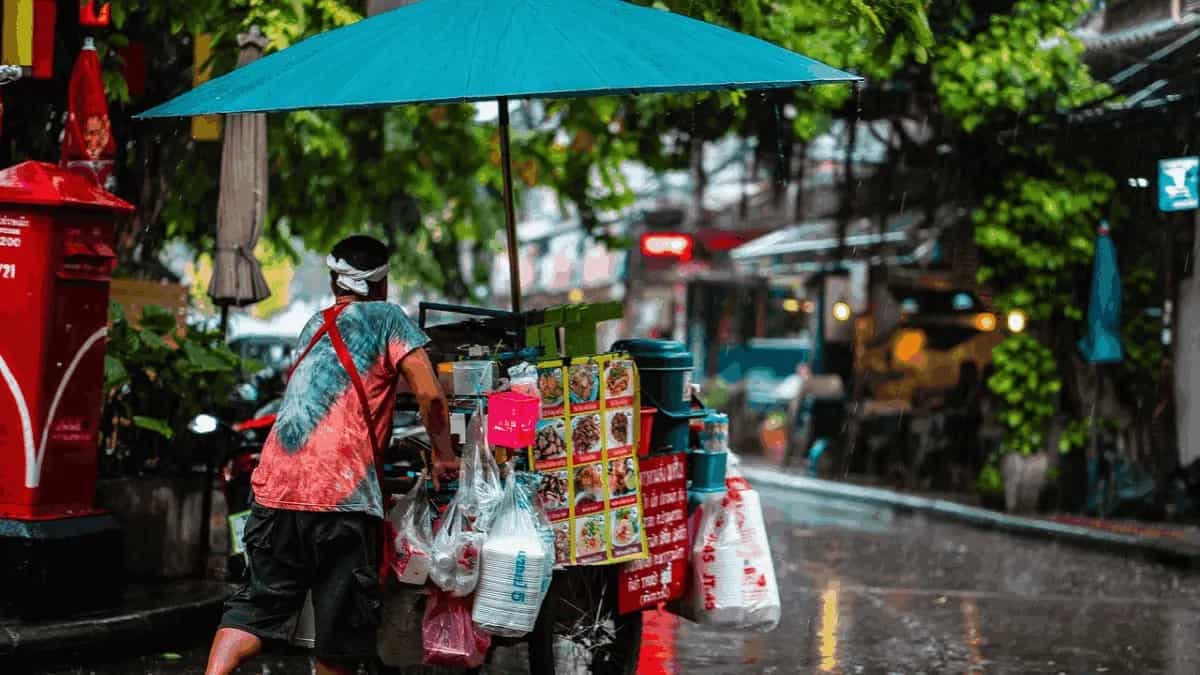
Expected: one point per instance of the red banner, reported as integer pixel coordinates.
(88, 146)
(661, 577)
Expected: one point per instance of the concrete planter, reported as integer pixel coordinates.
(1024, 480)
(162, 519)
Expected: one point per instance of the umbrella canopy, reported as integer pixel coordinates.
(442, 51)
(438, 51)
(242, 205)
(1102, 343)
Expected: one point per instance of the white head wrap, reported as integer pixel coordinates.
(353, 279)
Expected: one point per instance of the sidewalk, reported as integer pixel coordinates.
(146, 612)
(1178, 546)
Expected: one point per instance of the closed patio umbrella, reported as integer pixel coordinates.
(442, 51)
(1102, 343)
(242, 205)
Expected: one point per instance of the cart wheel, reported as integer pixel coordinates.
(579, 629)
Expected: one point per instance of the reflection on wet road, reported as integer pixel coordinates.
(867, 590)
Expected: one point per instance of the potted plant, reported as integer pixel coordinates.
(1026, 385)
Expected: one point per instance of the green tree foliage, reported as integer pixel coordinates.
(427, 178)
(1023, 62)
(1027, 384)
(1037, 236)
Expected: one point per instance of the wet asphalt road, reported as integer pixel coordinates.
(866, 590)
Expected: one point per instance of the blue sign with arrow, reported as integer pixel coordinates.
(1179, 184)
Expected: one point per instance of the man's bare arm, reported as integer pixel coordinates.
(435, 412)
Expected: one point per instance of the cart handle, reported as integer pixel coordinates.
(467, 310)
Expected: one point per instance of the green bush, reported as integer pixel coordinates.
(156, 379)
(1027, 385)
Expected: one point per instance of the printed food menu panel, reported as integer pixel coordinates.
(585, 450)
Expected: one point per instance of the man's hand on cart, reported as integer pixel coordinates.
(445, 468)
(435, 413)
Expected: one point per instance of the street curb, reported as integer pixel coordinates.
(1175, 553)
(22, 641)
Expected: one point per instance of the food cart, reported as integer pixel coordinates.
(593, 488)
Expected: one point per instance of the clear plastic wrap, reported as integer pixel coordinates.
(479, 487)
(411, 529)
(514, 567)
(456, 550)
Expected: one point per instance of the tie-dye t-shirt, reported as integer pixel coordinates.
(318, 456)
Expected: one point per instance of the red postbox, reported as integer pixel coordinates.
(56, 259)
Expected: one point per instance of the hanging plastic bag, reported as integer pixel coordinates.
(480, 488)
(456, 549)
(448, 635)
(411, 530)
(514, 565)
(523, 378)
(715, 597)
(760, 592)
(528, 484)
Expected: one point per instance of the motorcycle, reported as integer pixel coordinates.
(239, 447)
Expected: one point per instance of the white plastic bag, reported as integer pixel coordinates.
(412, 532)
(760, 587)
(760, 592)
(514, 565)
(715, 597)
(456, 549)
(479, 485)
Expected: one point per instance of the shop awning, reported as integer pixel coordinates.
(815, 242)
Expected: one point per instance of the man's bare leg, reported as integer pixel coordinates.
(231, 647)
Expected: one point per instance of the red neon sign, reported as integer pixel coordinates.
(667, 245)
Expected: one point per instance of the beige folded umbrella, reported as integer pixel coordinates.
(242, 205)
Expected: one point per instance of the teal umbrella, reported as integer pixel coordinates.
(442, 51)
(1102, 343)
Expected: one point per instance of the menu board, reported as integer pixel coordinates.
(585, 449)
(661, 577)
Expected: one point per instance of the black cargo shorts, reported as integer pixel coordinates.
(335, 555)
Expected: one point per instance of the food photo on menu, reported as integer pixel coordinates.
(554, 492)
(550, 443)
(550, 387)
(618, 380)
(562, 542)
(589, 485)
(623, 478)
(620, 428)
(584, 382)
(589, 536)
(626, 528)
(585, 434)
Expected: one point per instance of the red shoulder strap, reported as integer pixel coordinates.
(343, 354)
(336, 309)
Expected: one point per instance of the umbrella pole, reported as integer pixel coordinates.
(510, 219)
